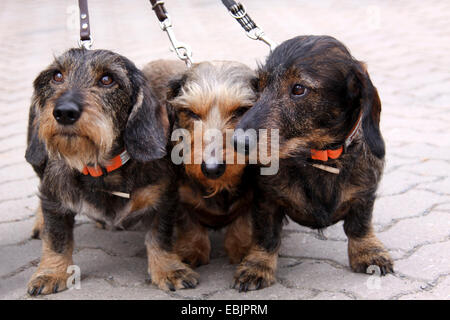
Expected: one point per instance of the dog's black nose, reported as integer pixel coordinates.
(241, 143)
(213, 170)
(67, 113)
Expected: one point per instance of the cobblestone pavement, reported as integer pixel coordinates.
(405, 44)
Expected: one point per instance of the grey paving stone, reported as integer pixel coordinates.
(331, 296)
(15, 232)
(100, 289)
(275, 292)
(122, 271)
(324, 277)
(120, 243)
(409, 233)
(410, 204)
(214, 277)
(301, 245)
(21, 171)
(439, 292)
(427, 262)
(17, 210)
(19, 257)
(18, 189)
(15, 287)
(399, 182)
(442, 186)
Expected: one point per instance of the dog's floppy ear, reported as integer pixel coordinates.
(370, 105)
(175, 86)
(36, 154)
(254, 83)
(147, 126)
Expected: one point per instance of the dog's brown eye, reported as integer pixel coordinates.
(106, 80)
(58, 77)
(239, 112)
(191, 114)
(298, 90)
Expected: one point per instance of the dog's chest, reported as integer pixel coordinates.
(101, 208)
(309, 197)
(98, 203)
(216, 211)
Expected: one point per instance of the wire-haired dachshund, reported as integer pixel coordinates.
(97, 138)
(331, 153)
(215, 188)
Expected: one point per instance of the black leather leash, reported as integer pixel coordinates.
(238, 11)
(85, 27)
(182, 50)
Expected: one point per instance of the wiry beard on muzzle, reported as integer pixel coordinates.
(87, 142)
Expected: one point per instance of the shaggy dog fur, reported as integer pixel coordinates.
(211, 95)
(314, 92)
(87, 108)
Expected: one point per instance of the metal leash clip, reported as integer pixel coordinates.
(239, 12)
(182, 50)
(258, 34)
(85, 44)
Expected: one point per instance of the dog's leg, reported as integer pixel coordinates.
(57, 247)
(238, 238)
(38, 224)
(166, 269)
(364, 248)
(192, 242)
(257, 269)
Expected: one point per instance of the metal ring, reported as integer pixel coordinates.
(238, 9)
(157, 4)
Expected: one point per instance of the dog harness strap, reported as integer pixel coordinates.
(115, 163)
(324, 155)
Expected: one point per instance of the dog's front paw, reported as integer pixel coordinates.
(47, 283)
(366, 253)
(253, 276)
(182, 278)
(379, 258)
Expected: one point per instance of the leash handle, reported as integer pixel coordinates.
(85, 41)
(238, 12)
(182, 50)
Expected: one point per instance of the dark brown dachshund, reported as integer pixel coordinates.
(97, 139)
(331, 153)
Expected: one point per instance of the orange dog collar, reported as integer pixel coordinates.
(323, 155)
(115, 163)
